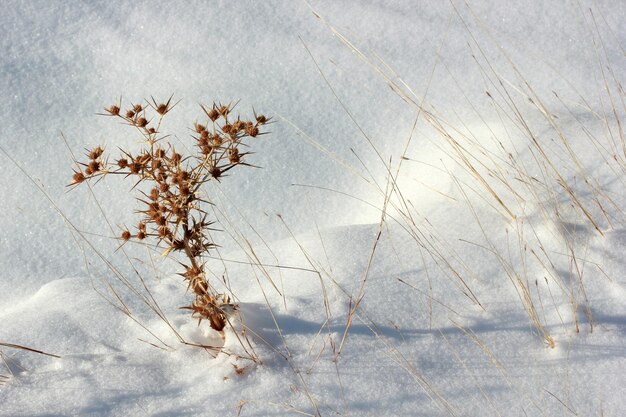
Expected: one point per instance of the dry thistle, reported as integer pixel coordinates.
(172, 213)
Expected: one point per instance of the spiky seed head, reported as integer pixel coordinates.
(152, 214)
(162, 109)
(130, 114)
(126, 235)
(233, 156)
(143, 158)
(215, 172)
(78, 177)
(213, 114)
(252, 131)
(141, 122)
(164, 232)
(96, 152)
(94, 166)
(113, 110)
(216, 141)
(135, 168)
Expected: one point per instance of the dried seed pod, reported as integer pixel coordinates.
(154, 194)
(152, 214)
(94, 166)
(113, 110)
(126, 235)
(164, 232)
(130, 114)
(143, 158)
(135, 168)
(252, 131)
(224, 110)
(233, 156)
(141, 122)
(215, 172)
(183, 191)
(216, 141)
(96, 153)
(213, 114)
(122, 163)
(78, 177)
(162, 109)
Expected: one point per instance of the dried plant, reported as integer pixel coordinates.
(172, 212)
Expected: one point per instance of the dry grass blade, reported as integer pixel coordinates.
(14, 346)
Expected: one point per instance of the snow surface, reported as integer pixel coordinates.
(441, 328)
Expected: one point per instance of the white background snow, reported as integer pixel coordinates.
(420, 343)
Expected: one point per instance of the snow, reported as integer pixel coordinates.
(436, 278)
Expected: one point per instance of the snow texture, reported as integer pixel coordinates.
(380, 268)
